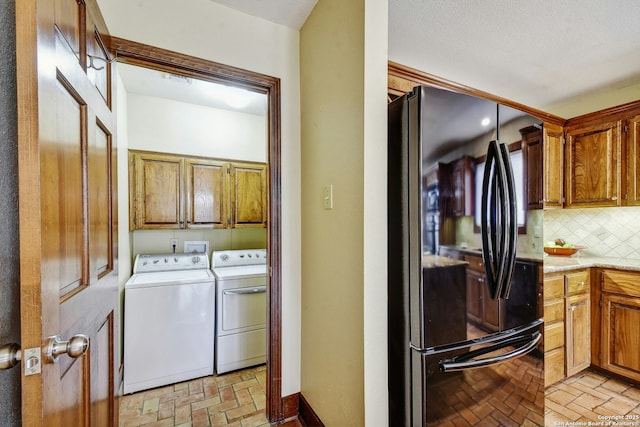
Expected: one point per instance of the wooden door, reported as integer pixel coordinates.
(157, 182)
(593, 156)
(68, 229)
(578, 333)
(621, 335)
(553, 160)
(207, 195)
(249, 195)
(633, 161)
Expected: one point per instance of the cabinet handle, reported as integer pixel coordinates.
(614, 198)
(580, 283)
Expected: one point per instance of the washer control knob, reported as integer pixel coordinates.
(195, 259)
(224, 257)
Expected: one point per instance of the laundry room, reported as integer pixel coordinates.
(195, 176)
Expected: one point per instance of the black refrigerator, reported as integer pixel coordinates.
(443, 368)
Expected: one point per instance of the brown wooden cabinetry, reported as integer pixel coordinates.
(481, 308)
(553, 160)
(567, 330)
(633, 161)
(533, 166)
(462, 175)
(593, 164)
(620, 323)
(170, 191)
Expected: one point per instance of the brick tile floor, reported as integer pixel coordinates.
(235, 399)
(588, 397)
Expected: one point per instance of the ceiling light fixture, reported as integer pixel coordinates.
(485, 122)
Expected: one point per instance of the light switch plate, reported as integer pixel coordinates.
(327, 196)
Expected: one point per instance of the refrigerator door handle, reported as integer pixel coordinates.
(466, 361)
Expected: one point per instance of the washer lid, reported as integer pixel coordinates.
(243, 271)
(166, 278)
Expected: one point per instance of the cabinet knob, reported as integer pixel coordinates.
(580, 283)
(614, 198)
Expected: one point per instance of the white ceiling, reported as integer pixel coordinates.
(536, 52)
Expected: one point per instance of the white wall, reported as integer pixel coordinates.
(160, 124)
(207, 30)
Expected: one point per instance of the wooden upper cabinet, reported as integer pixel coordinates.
(553, 161)
(249, 195)
(156, 191)
(533, 166)
(593, 165)
(207, 195)
(170, 191)
(462, 175)
(633, 161)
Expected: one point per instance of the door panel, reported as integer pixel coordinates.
(68, 283)
(207, 198)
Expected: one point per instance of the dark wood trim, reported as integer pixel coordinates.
(617, 112)
(134, 53)
(291, 406)
(306, 414)
(422, 78)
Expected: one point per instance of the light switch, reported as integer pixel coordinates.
(327, 196)
(537, 231)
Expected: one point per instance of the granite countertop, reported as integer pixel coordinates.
(520, 255)
(554, 264)
(435, 261)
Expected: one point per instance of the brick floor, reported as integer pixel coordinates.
(235, 399)
(591, 396)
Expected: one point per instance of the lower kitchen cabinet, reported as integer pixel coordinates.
(620, 323)
(567, 331)
(483, 310)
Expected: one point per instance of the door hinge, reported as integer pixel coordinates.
(626, 128)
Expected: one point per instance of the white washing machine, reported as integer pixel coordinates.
(241, 308)
(169, 320)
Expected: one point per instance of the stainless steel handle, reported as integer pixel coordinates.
(244, 291)
(462, 362)
(75, 347)
(10, 355)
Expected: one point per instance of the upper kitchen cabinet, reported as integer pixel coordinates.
(532, 153)
(170, 191)
(633, 161)
(462, 186)
(593, 164)
(553, 166)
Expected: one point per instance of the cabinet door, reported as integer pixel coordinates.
(621, 335)
(474, 296)
(633, 162)
(207, 202)
(553, 160)
(157, 181)
(532, 156)
(578, 333)
(462, 182)
(593, 155)
(492, 310)
(249, 195)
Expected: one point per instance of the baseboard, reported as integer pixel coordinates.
(296, 406)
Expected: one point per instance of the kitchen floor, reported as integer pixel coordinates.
(588, 397)
(235, 399)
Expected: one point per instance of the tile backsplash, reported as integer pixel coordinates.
(606, 232)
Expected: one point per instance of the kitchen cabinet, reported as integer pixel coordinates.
(169, 191)
(553, 166)
(533, 166)
(567, 330)
(633, 161)
(481, 308)
(577, 322)
(462, 176)
(620, 323)
(593, 164)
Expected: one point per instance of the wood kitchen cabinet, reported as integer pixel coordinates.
(620, 323)
(567, 330)
(577, 322)
(533, 166)
(462, 175)
(483, 310)
(553, 166)
(633, 161)
(593, 156)
(170, 191)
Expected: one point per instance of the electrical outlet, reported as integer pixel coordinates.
(327, 196)
(174, 244)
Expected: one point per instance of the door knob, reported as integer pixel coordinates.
(75, 347)
(10, 355)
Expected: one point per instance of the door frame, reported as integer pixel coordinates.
(134, 53)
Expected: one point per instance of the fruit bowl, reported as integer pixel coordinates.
(562, 251)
